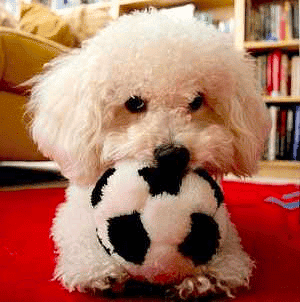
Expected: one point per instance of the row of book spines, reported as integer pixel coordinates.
(283, 143)
(272, 22)
(278, 75)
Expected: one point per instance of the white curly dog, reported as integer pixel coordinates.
(145, 83)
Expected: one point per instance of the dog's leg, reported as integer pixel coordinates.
(82, 263)
(232, 267)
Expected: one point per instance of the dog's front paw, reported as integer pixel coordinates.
(193, 287)
(207, 284)
(94, 279)
(113, 281)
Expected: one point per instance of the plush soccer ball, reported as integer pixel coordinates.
(161, 226)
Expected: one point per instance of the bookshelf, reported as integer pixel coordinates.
(286, 42)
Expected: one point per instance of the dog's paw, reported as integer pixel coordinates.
(111, 282)
(193, 287)
(204, 285)
(95, 280)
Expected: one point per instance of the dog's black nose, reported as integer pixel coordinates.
(172, 156)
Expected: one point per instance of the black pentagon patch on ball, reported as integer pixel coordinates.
(203, 240)
(129, 237)
(170, 168)
(213, 184)
(161, 182)
(97, 191)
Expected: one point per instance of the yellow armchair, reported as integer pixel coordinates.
(22, 55)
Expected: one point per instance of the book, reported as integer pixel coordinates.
(276, 72)
(287, 11)
(284, 75)
(296, 144)
(295, 76)
(295, 20)
(267, 33)
(269, 85)
(274, 32)
(271, 153)
(289, 133)
(282, 25)
(282, 134)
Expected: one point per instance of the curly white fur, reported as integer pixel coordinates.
(78, 105)
(80, 121)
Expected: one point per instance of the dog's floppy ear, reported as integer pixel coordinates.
(249, 120)
(60, 107)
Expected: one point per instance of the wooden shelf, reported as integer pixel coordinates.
(127, 5)
(205, 4)
(282, 99)
(156, 3)
(268, 45)
(280, 169)
(213, 4)
(128, 2)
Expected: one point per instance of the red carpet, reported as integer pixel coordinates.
(270, 233)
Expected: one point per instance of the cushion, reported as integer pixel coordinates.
(40, 20)
(15, 143)
(23, 55)
(86, 20)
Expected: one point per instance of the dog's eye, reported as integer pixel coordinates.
(197, 102)
(135, 104)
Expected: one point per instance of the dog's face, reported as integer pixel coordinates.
(145, 82)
